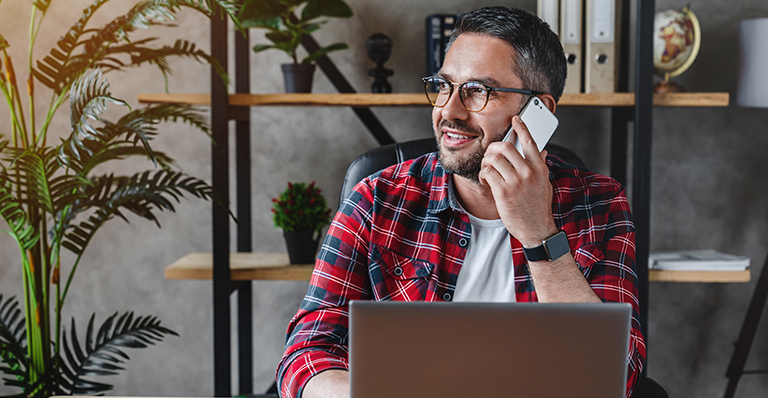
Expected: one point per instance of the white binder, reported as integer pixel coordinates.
(549, 12)
(602, 46)
(571, 33)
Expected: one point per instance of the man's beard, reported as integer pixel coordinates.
(468, 166)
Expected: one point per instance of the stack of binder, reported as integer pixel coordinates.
(438, 29)
(591, 48)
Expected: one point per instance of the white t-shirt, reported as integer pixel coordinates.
(488, 274)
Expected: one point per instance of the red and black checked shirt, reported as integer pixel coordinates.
(400, 235)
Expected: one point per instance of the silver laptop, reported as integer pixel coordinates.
(530, 350)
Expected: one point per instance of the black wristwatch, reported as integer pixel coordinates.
(550, 249)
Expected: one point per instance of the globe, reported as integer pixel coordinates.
(676, 42)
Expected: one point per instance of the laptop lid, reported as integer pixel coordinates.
(422, 349)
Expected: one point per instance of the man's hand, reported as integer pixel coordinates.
(520, 187)
(333, 383)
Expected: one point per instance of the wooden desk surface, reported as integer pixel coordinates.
(275, 266)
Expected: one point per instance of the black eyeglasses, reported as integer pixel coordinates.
(474, 95)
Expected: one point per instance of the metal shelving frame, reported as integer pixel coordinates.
(639, 115)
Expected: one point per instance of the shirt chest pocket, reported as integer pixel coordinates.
(397, 277)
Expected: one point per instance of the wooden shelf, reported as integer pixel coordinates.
(275, 266)
(699, 276)
(243, 267)
(418, 99)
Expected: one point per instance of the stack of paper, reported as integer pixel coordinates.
(697, 260)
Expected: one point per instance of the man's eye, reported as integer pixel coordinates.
(475, 90)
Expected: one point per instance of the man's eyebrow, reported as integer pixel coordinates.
(483, 79)
(488, 80)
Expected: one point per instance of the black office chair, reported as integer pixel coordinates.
(384, 156)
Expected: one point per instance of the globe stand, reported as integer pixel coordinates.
(667, 86)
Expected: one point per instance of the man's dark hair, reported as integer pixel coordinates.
(540, 57)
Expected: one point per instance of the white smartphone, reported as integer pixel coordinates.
(541, 122)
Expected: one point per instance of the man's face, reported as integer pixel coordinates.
(463, 136)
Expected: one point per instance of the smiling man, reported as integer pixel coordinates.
(468, 223)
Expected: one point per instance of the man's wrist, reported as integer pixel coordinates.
(551, 248)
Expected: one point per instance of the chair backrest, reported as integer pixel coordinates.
(384, 156)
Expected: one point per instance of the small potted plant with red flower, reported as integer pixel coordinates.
(302, 212)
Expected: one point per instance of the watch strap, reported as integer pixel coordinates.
(550, 249)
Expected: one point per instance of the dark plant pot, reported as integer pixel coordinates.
(298, 77)
(302, 246)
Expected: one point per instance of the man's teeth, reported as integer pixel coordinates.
(457, 136)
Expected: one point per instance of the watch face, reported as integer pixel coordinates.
(557, 245)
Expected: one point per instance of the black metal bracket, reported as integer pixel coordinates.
(747, 334)
(342, 85)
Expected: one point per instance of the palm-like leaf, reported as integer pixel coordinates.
(53, 71)
(14, 215)
(141, 194)
(50, 200)
(88, 101)
(159, 56)
(103, 354)
(12, 342)
(103, 47)
(42, 5)
(32, 173)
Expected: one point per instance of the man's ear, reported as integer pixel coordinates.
(549, 101)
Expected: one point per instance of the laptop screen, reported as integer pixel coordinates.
(424, 350)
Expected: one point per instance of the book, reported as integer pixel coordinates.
(697, 260)
(438, 30)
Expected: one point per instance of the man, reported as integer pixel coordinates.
(454, 225)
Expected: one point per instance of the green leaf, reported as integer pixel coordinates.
(261, 47)
(279, 37)
(59, 75)
(326, 8)
(42, 5)
(3, 44)
(141, 195)
(104, 354)
(89, 97)
(13, 343)
(261, 13)
(324, 51)
(13, 213)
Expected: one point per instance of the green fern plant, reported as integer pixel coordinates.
(52, 199)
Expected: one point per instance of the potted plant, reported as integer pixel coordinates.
(302, 212)
(54, 195)
(285, 28)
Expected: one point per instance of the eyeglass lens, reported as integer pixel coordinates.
(473, 95)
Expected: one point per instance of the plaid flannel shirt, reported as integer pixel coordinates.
(400, 235)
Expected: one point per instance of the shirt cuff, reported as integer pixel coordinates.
(305, 364)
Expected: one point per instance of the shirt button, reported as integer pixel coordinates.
(447, 297)
(398, 271)
(463, 242)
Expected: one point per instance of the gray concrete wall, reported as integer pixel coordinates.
(708, 191)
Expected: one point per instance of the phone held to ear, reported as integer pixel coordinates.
(541, 122)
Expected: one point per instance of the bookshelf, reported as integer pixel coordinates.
(418, 99)
(275, 266)
(232, 272)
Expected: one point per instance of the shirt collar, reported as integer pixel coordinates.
(442, 195)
